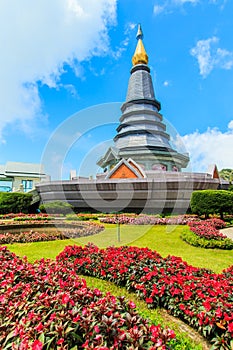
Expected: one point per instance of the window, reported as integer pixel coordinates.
(159, 167)
(27, 185)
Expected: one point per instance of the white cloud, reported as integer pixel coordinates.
(181, 2)
(210, 57)
(36, 39)
(169, 6)
(166, 83)
(159, 9)
(210, 147)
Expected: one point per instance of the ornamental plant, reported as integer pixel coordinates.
(28, 235)
(45, 305)
(206, 234)
(147, 219)
(14, 202)
(198, 296)
(207, 229)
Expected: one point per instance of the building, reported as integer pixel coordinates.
(17, 176)
(142, 172)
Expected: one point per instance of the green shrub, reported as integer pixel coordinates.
(73, 217)
(14, 202)
(56, 207)
(206, 202)
(194, 240)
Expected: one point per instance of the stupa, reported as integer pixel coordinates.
(142, 172)
(141, 134)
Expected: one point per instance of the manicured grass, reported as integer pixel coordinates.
(37, 250)
(164, 239)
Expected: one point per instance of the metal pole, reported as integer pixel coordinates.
(118, 229)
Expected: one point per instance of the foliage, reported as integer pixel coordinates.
(226, 174)
(208, 229)
(23, 216)
(206, 202)
(33, 217)
(194, 240)
(82, 217)
(56, 207)
(14, 202)
(200, 297)
(49, 234)
(205, 234)
(186, 338)
(47, 306)
(31, 236)
(147, 219)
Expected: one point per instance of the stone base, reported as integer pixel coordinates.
(159, 193)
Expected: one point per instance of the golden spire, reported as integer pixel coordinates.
(140, 55)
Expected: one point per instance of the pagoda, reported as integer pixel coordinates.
(141, 135)
(142, 171)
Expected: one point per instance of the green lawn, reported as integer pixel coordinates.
(164, 239)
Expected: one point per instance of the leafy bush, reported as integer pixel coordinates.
(46, 306)
(198, 296)
(206, 202)
(56, 207)
(14, 202)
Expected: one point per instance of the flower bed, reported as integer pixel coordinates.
(208, 229)
(205, 234)
(48, 232)
(45, 305)
(197, 296)
(23, 216)
(147, 220)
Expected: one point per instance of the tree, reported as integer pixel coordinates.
(206, 202)
(226, 174)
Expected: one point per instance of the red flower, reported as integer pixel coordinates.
(65, 298)
(60, 341)
(40, 327)
(149, 300)
(37, 345)
(230, 328)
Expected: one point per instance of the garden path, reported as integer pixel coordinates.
(228, 232)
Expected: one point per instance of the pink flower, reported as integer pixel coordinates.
(96, 328)
(132, 305)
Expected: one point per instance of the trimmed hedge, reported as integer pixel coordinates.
(206, 202)
(14, 202)
(192, 239)
(56, 207)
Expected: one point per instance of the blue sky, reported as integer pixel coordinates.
(61, 57)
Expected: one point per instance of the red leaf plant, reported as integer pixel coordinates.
(45, 305)
(198, 296)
